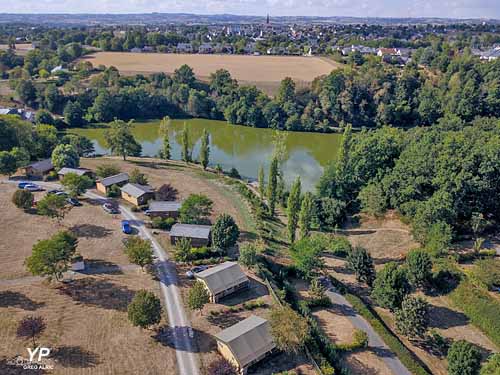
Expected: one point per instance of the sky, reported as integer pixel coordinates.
(360, 8)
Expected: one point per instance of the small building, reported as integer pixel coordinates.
(103, 185)
(223, 280)
(205, 48)
(246, 342)
(184, 47)
(164, 209)
(198, 234)
(388, 51)
(136, 50)
(39, 169)
(137, 194)
(78, 171)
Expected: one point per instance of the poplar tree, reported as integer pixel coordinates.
(305, 215)
(293, 209)
(165, 152)
(186, 152)
(262, 183)
(272, 187)
(205, 149)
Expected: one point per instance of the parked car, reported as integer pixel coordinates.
(110, 209)
(32, 187)
(126, 228)
(74, 202)
(197, 269)
(54, 192)
(22, 184)
(62, 193)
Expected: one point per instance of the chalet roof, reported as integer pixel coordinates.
(248, 340)
(190, 231)
(222, 277)
(42, 165)
(137, 190)
(164, 206)
(116, 179)
(77, 171)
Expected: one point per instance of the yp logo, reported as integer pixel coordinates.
(42, 352)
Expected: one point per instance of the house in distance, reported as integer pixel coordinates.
(163, 209)
(103, 185)
(137, 194)
(198, 234)
(78, 171)
(223, 280)
(246, 342)
(39, 169)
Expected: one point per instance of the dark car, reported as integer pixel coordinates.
(194, 270)
(22, 184)
(74, 202)
(54, 192)
(110, 209)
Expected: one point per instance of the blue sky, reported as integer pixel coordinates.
(373, 8)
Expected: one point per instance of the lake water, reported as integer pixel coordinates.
(241, 147)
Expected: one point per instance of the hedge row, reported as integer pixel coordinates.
(482, 310)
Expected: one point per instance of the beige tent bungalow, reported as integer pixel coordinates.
(223, 279)
(103, 185)
(137, 194)
(245, 343)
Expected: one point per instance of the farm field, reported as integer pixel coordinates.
(263, 71)
(21, 48)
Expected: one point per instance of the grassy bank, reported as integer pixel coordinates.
(482, 310)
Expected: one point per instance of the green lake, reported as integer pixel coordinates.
(241, 147)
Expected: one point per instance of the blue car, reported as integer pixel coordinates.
(21, 185)
(126, 228)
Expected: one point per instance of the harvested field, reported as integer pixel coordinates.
(21, 48)
(263, 71)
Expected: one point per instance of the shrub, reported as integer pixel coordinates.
(221, 367)
(339, 246)
(248, 254)
(199, 253)
(419, 266)
(492, 365)
(463, 359)
(487, 271)
(233, 173)
(166, 193)
(361, 263)
(163, 223)
(23, 199)
(360, 341)
(31, 327)
(114, 191)
(390, 286)
(106, 170)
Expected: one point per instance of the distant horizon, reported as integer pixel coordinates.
(271, 16)
(444, 9)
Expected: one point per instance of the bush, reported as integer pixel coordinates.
(200, 253)
(23, 199)
(114, 191)
(339, 246)
(248, 254)
(360, 341)
(463, 359)
(225, 232)
(106, 170)
(163, 223)
(233, 173)
(145, 309)
(52, 176)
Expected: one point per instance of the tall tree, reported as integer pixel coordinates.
(225, 232)
(412, 319)
(419, 266)
(186, 151)
(139, 251)
(165, 152)
(65, 156)
(76, 184)
(205, 149)
(293, 207)
(198, 296)
(361, 263)
(195, 209)
(306, 215)
(272, 186)
(390, 286)
(262, 183)
(120, 139)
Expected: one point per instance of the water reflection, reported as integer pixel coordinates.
(241, 147)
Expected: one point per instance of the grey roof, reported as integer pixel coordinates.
(222, 277)
(77, 171)
(116, 179)
(42, 165)
(248, 340)
(191, 231)
(164, 206)
(136, 190)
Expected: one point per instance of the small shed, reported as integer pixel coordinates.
(78, 171)
(246, 342)
(137, 194)
(164, 209)
(103, 185)
(198, 234)
(223, 280)
(39, 168)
